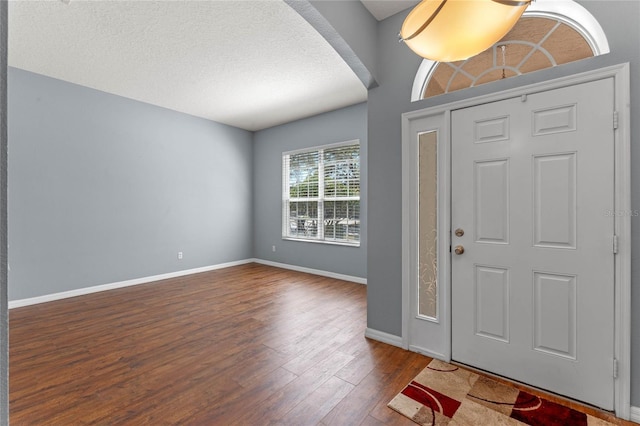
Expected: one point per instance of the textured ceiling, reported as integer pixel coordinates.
(250, 64)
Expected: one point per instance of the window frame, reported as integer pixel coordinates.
(321, 198)
(569, 13)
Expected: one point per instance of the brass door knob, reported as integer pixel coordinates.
(459, 232)
(459, 250)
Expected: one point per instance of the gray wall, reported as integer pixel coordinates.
(396, 69)
(104, 189)
(337, 126)
(4, 323)
(355, 25)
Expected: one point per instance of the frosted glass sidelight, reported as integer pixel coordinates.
(428, 225)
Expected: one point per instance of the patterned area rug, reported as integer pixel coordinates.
(443, 394)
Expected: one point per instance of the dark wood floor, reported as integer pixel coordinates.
(248, 345)
(244, 345)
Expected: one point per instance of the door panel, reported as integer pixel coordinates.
(492, 201)
(554, 322)
(554, 192)
(491, 287)
(532, 293)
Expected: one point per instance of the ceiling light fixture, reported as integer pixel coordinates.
(453, 30)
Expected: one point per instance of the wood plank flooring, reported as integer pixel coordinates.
(245, 345)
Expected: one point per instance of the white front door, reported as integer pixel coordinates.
(533, 193)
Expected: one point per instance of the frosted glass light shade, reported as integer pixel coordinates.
(452, 30)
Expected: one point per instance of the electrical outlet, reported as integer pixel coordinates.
(179, 255)
(273, 248)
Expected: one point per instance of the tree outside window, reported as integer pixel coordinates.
(321, 194)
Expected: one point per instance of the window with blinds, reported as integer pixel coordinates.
(321, 194)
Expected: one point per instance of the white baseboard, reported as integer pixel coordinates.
(328, 274)
(634, 415)
(381, 336)
(88, 290)
(429, 353)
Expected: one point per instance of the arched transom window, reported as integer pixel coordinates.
(544, 37)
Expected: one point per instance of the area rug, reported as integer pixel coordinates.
(443, 394)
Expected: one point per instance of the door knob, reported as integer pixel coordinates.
(459, 232)
(459, 250)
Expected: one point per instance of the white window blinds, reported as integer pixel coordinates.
(321, 194)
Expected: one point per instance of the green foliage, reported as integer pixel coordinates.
(340, 177)
(307, 188)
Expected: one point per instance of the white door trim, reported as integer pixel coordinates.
(438, 118)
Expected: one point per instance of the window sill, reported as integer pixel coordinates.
(331, 243)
